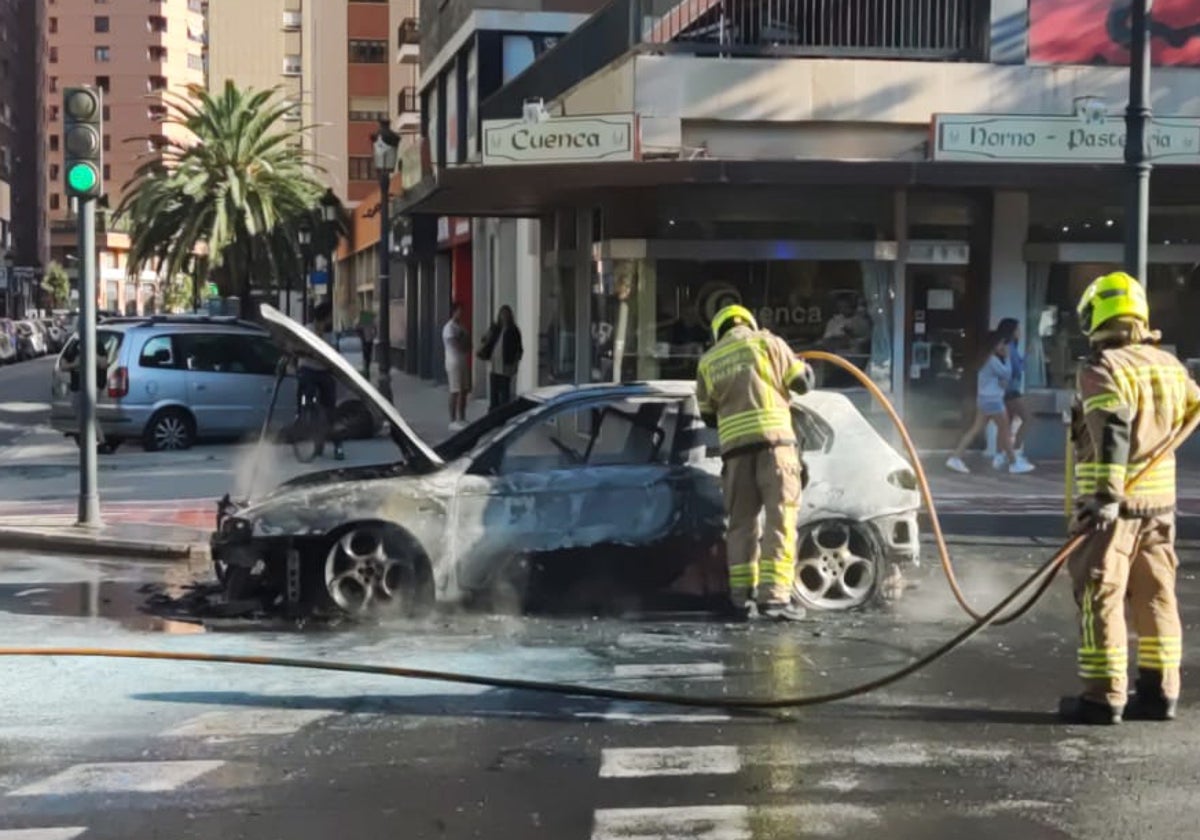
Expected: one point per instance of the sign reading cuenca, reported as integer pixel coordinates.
(605, 137)
(1059, 139)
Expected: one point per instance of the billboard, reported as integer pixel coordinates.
(1097, 32)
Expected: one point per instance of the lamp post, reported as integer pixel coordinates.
(329, 214)
(304, 234)
(386, 144)
(1137, 118)
(9, 264)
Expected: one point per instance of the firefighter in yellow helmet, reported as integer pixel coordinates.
(1132, 399)
(742, 387)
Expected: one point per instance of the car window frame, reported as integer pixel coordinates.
(176, 356)
(180, 338)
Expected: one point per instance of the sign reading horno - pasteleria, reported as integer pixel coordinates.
(1059, 139)
(603, 137)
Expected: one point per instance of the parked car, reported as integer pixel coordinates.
(8, 342)
(625, 476)
(30, 342)
(56, 336)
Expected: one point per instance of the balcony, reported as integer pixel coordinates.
(408, 41)
(292, 20)
(408, 110)
(933, 30)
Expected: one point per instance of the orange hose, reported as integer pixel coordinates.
(927, 495)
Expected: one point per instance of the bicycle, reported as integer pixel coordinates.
(311, 427)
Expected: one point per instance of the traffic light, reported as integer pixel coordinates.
(83, 150)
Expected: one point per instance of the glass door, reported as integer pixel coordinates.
(939, 350)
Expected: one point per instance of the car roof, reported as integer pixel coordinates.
(178, 322)
(656, 387)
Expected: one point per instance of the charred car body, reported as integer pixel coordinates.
(624, 475)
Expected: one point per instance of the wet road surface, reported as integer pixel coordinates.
(121, 749)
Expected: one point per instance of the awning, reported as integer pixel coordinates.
(533, 190)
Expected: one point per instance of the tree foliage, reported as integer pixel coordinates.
(57, 284)
(234, 182)
(178, 293)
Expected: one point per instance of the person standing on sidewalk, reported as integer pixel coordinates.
(317, 377)
(1132, 400)
(503, 348)
(992, 383)
(743, 387)
(458, 365)
(1014, 397)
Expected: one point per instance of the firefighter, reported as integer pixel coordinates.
(1132, 400)
(742, 388)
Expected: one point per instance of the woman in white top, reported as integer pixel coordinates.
(458, 365)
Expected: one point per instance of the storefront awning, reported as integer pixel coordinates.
(532, 190)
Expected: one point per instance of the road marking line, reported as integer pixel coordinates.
(687, 670)
(41, 833)
(640, 762)
(710, 822)
(635, 713)
(660, 641)
(247, 723)
(120, 777)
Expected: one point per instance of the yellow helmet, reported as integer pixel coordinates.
(1112, 296)
(726, 313)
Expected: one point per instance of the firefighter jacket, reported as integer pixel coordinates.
(1131, 401)
(744, 382)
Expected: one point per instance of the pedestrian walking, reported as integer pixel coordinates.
(458, 365)
(316, 376)
(1014, 397)
(366, 337)
(742, 388)
(1132, 400)
(992, 383)
(503, 349)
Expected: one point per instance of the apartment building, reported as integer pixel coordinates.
(920, 168)
(136, 52)
(22, 208)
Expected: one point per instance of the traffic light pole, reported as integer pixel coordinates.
(1137, 161)
(89, 496)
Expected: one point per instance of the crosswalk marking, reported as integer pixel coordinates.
(688, 670)
(669, 761)
(622, 712)
(247, 723)
(732, 822)
(41, 833)
(120, 777)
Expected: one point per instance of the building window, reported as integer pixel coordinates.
(102, 53)
(156, 23)
(54, 55)
(108, 142)
(157, 53)
(292, 19)
(53, 113)
(362, 169)
(107, 172)
(292, 65)
(53, 171)
(54, 84)
(157, 112)
(100, 24)
(368, 52)
(106, 115)
(368, 108)
(156, 83)
(104, 83)
(195, 62)
(52, 25)
(54, 142)
(54, 201)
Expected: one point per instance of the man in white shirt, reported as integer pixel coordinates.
(458, 365)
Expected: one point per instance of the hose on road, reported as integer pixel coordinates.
(1042, 578)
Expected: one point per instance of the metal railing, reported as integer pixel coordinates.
(408, 32)
(911, 29)
(407, 101)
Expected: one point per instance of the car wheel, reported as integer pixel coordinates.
(169, 429)
(374, 569)
(839, 565)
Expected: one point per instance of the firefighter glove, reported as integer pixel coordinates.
(1095, 512)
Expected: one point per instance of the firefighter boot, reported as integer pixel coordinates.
(782, 612)
(1150, 703)
(1088, 712)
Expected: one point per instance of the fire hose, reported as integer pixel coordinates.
(1042, 578)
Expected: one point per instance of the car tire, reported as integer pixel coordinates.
(372, 570)
(168, 430)
(840, 566)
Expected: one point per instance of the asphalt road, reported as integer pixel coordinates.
(24, 398)
(115, 749)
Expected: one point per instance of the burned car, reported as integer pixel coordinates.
(619, 478)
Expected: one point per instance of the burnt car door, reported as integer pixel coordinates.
(582, 475)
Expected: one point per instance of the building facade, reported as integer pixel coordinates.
(22, 206)
(886, 190)
(137, 53)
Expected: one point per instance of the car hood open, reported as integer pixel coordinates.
(296, 339)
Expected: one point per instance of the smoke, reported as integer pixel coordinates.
(260, 468)
(986, 574)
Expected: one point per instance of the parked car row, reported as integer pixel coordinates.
(30, 338)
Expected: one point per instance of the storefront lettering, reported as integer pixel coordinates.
(1069, 139)
(988, 139)
(524, 140)
(795, 315)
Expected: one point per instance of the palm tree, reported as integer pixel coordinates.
(234, 183)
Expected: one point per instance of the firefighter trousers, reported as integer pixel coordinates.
(752, 481)
(1132, 561)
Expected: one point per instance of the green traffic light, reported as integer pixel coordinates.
(82, 178)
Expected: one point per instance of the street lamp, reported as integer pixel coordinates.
(387, 142)
(304, 235)
(329, 215)
(1137, 117)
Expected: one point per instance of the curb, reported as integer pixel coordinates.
(100, 546)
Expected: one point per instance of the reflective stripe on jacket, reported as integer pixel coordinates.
(744, 381)
(1131, 401)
